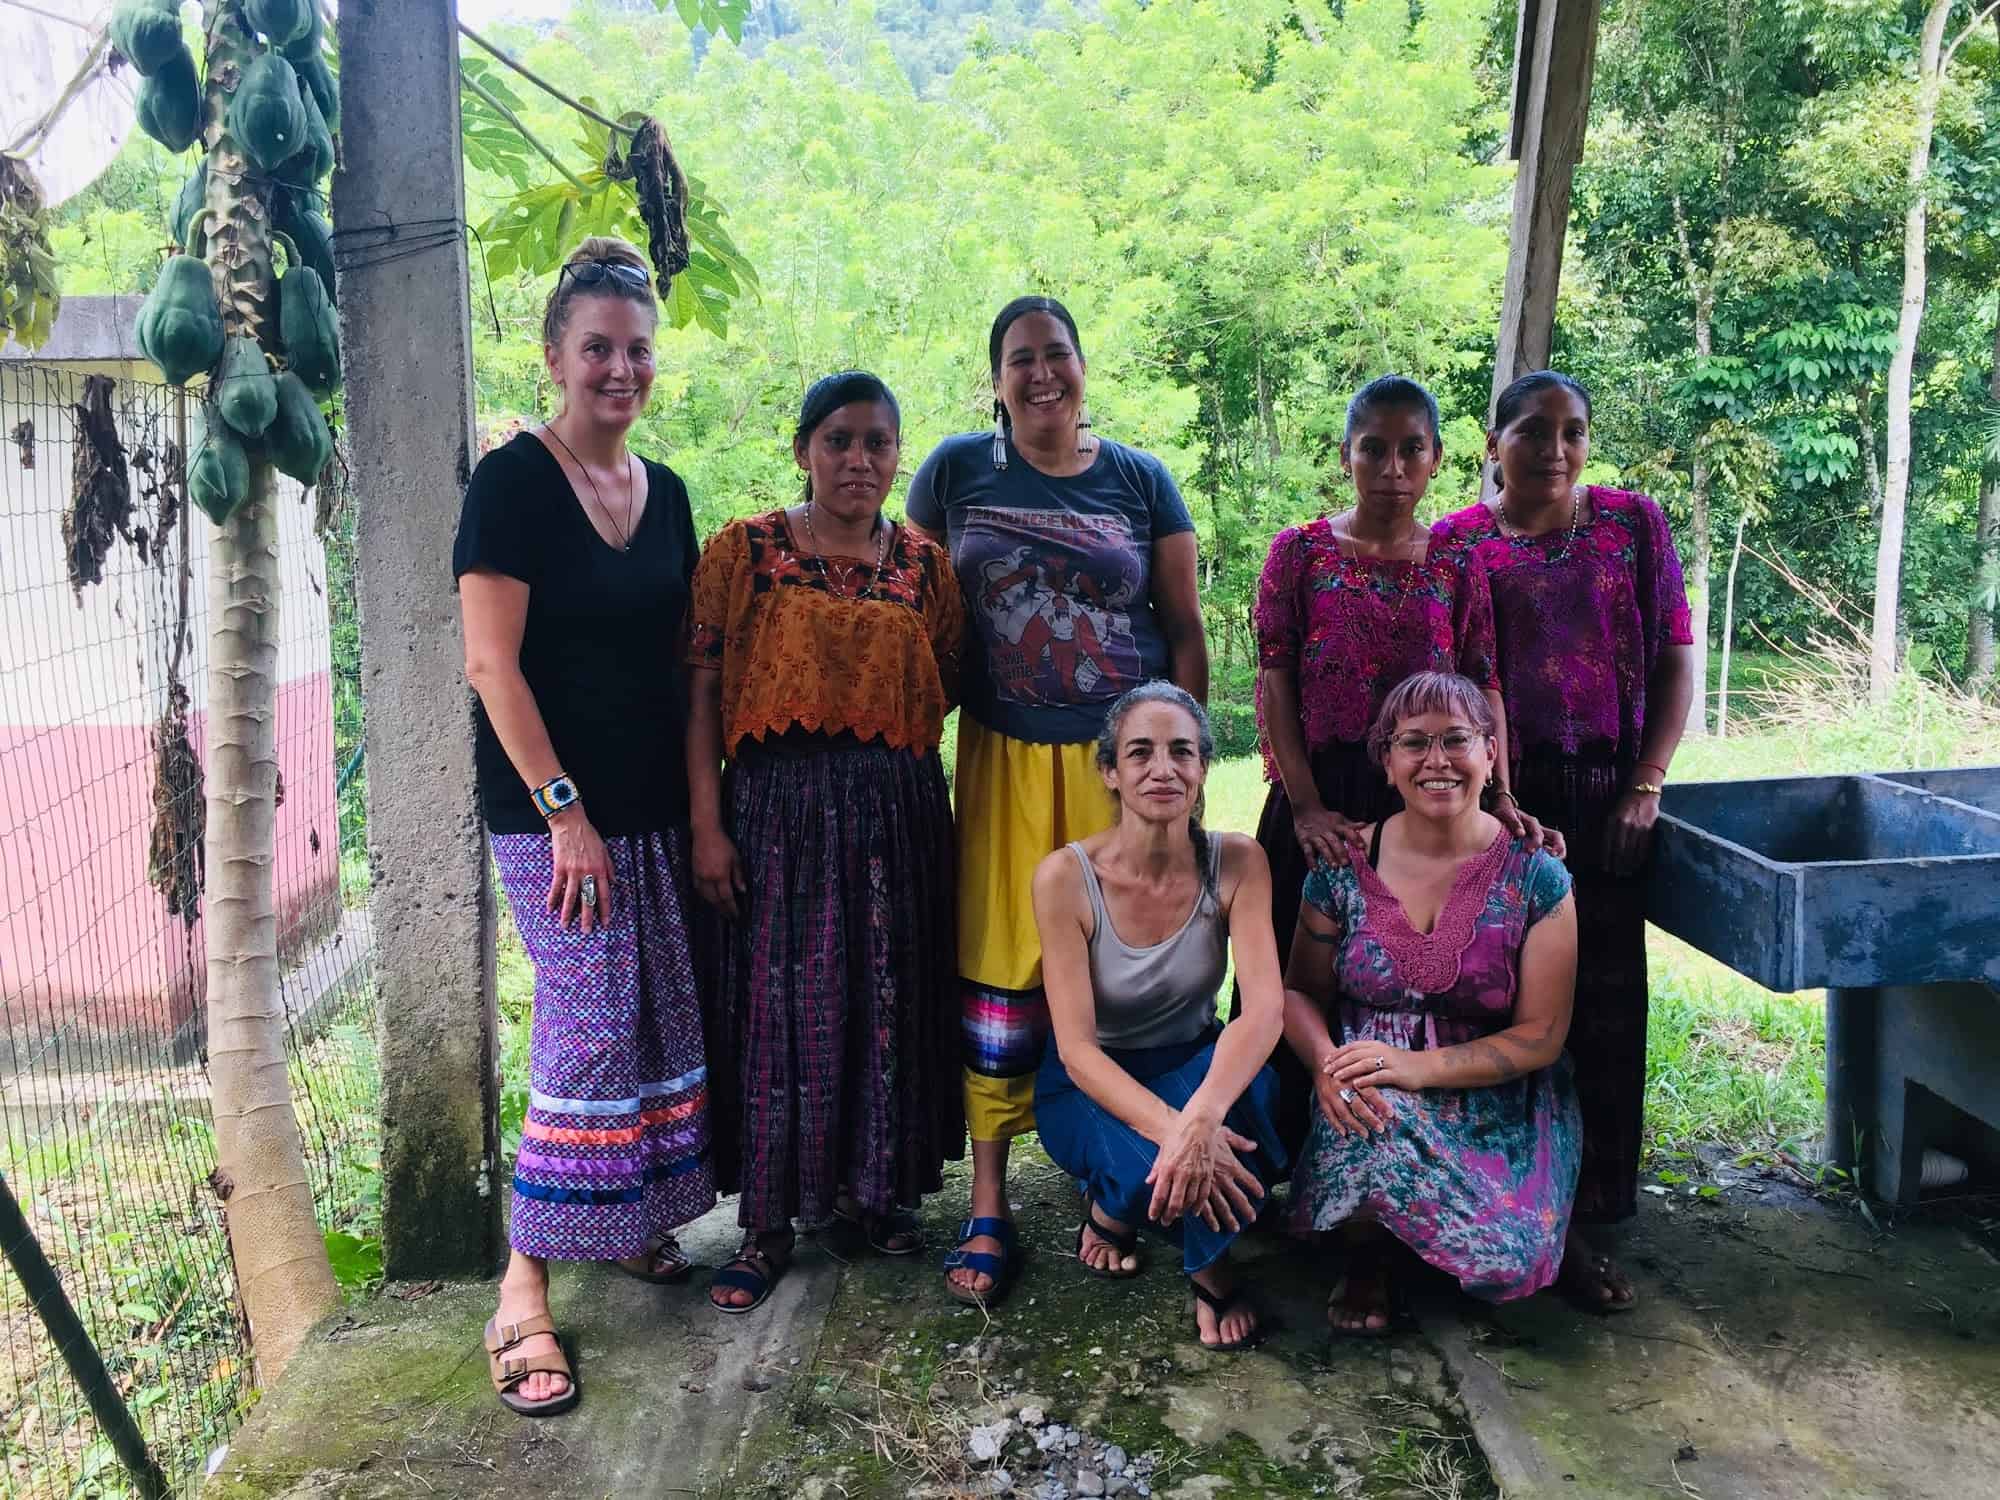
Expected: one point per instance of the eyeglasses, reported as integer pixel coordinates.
(1458, 743)
(590, 273)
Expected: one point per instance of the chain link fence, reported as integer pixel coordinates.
(106, 1140)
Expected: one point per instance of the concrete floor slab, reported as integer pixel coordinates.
(1776, 1354)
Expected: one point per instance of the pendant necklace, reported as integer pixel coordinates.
(847, 570)
(624, 537)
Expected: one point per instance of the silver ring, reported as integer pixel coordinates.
(1381, 1063)
(1347, 1096)
(586, 892)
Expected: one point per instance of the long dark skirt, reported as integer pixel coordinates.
(1354, 786)
(1111, 1159)
(834, 1033)
(1607, 1030)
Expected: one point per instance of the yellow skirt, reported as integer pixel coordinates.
(1017, 801)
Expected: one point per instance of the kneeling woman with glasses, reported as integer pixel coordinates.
(1428, 995)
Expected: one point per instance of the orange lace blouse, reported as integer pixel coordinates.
(841, 648)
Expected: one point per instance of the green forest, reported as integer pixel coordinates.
(1253, 207)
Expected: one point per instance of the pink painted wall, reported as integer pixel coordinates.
(85, 940)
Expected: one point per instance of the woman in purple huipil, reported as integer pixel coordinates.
(1348, 606)
(1597, 669)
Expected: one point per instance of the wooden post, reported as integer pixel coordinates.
(1555, 52)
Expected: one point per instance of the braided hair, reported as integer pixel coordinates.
(1161, 691)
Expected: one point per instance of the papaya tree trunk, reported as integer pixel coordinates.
(1896, 480)
(281, 1263)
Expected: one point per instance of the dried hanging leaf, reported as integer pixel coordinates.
(100, 505)
(662, 191)
(174, 863)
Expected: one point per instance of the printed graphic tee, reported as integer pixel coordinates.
(1057, 577)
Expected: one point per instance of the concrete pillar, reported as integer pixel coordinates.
(1555, 51)
(407, 352)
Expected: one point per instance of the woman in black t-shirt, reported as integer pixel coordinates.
(573, 560)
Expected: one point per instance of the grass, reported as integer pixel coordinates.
(112, 1179)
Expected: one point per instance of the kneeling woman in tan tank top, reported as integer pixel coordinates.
(1161, 1112)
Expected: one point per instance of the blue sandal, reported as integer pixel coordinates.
(1004, 1268)
(752, 1269)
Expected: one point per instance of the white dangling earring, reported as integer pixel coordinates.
(1085, 443)
(999, 435)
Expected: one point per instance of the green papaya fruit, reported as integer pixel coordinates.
(297, 439)
(309, 233)
(315, 156)
(265, 116)
(317, 79)
(246, 392)
(180, 327)
(188, 205)
(147, 33)
(310, 331)
(282, 22)
(218, 471)
(170, 102)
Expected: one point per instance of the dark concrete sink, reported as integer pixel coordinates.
(1798, 882)
(1976, 786)
(1886, 890)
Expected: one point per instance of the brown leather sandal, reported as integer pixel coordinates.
(508, 1373)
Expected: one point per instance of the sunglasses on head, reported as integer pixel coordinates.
(590, 273)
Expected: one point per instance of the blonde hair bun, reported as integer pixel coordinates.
(609, 250)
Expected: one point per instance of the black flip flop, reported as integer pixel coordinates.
(1124, 1241)
(1221, 1307)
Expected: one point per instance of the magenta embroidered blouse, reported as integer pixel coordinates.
(1351, 628)
(1581, 622)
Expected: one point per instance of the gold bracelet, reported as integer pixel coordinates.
(1647, 788)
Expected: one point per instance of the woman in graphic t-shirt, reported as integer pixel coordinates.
(573, 558)
(1076, 558)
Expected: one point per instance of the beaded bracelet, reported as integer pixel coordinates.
(553, 795)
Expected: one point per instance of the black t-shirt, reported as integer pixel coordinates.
(604, 639)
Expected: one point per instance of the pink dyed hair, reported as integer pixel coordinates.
(1429, 693)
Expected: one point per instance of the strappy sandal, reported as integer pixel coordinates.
(759, 1272)
(1602, 1271)
(1124, 1241)
(1004, 1268)
(1374, 1263)
(1220, 1306)
(677, 1265)
(878, 1231)
(501, 1339)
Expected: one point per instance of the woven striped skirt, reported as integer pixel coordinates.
(833, 1018)
(615, 1149)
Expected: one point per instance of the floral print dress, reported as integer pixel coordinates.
(1477, 1181)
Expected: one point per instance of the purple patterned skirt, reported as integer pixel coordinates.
(615, 1150)
(833, 1015)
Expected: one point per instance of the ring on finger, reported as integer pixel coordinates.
(586, 891)
(1346, 1096)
